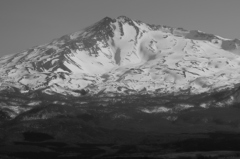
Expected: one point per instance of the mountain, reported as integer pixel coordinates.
(121, 57)
(122, 81)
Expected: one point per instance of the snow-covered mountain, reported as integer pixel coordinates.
(125, 56)
(115, 55)
(122, 88)
(120, 57)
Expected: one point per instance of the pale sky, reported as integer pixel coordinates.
(27, 23)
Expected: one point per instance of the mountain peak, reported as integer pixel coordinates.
(107, 19)
(121, 18)
(124, 18)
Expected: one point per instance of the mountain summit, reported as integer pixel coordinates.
(121, 57)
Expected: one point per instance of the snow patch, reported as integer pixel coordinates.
(156, 110)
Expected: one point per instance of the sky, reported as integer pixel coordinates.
(28, 23)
